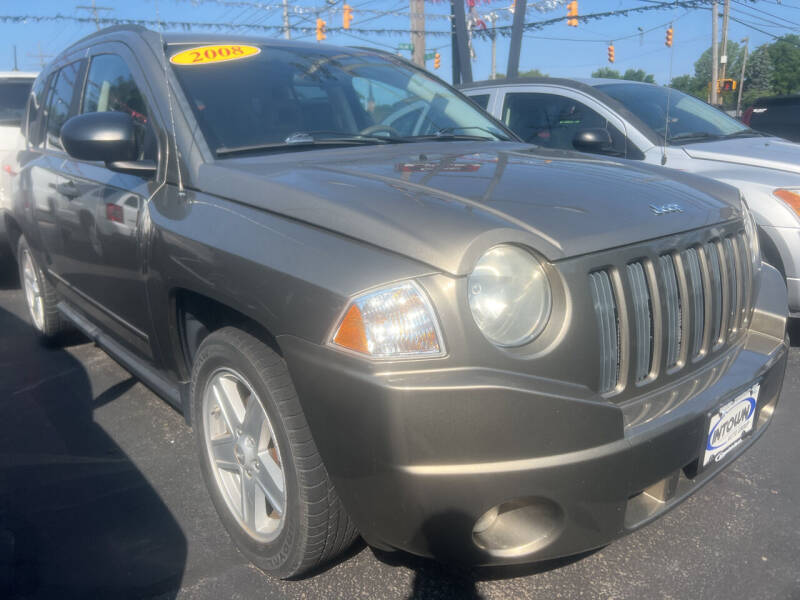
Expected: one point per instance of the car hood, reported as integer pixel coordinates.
(444, 204)
(767, 152)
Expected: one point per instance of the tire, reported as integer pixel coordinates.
(41, 298)
(234, 375)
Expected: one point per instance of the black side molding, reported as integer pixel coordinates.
(175, 393)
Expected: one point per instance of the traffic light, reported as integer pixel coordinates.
(668, 41)
(437, 60)
(320, 30)
(726, 85)
(572, 12)
(347, 16)
(611, 53)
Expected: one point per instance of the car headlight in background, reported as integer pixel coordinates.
(509, 295)
(751, 230)
(395, 321)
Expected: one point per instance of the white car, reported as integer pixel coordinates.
(15, 87)
(628, 119)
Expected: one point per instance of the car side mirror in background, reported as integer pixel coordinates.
(592, 140)
(107, 137)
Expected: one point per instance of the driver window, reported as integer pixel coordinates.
(553, 121)
(110, 87)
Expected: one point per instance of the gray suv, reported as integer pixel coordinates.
(379, 312)
(629, 119)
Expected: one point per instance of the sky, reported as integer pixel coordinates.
(557, 50)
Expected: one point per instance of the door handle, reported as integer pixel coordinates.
(68, 189)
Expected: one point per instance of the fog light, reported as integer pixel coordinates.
(518, 527)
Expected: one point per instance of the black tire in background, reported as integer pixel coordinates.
(46, 319)
(314, 526)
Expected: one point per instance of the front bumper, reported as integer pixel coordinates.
(419, 456)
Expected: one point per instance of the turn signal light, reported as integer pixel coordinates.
(397, 321)
(790, 197)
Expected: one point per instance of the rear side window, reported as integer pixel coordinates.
(13, 95)
(110, 87)
(59, 107)
(553, 121)
(481, 100)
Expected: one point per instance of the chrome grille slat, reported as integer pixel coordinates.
(712, 255)
(696, 300)
(606, 310)
(643, 321)
(672, 304)
(733, 284)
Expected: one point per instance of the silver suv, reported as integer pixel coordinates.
(631, 120)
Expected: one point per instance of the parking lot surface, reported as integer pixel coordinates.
(101, 496)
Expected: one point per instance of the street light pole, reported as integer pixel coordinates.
(714, 53)
(746, 41)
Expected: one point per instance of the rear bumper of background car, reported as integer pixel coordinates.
(419, 458)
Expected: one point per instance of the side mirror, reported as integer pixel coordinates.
(105, 136)
(592, 140)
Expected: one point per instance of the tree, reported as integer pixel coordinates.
(684, 83)
(759, 70)
(785, 56)
(638, 75)
(533, 73)
(606, 73)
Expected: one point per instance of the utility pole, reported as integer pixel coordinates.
(418, 32)
(95, 10)
(492, 18)
(16, 68)
(40, 56)
(745, 41)
(726, 8)
(286, 32)
(714, 52)
(455, 62)
(517, 26)
(464, 64)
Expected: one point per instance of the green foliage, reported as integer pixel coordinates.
(785, 56)
(529, 73)
(639, 75)
(606, 73)
(771, 69)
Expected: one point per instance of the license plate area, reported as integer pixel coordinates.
(729, 425)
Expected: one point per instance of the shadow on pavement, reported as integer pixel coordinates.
(77, 518)
(444, 579)
(794, 332)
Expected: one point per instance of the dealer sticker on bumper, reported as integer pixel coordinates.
(730, 424)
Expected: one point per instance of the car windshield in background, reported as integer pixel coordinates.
(292, 98)
(690, 120)
(13, 96)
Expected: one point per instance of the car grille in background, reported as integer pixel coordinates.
(660, 314)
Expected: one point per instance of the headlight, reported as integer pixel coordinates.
(751, 230)
(509, 296)
(396, 321)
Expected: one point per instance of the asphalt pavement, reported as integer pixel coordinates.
(101, 497)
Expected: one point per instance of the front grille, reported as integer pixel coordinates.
(664, 312)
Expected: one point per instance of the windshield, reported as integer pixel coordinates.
(13, 96)
(690, 119)
(292, 97)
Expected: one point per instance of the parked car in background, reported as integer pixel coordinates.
(14, 89)
(662, 126)
(380, 313)
(775, 115)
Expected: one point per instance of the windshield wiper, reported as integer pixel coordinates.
(446, 135)
(303, 141)
(692, 135)
(744, 133)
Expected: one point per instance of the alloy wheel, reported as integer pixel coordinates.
(33, 289)
(244, 455)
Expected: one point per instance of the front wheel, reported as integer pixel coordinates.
(260, 464)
